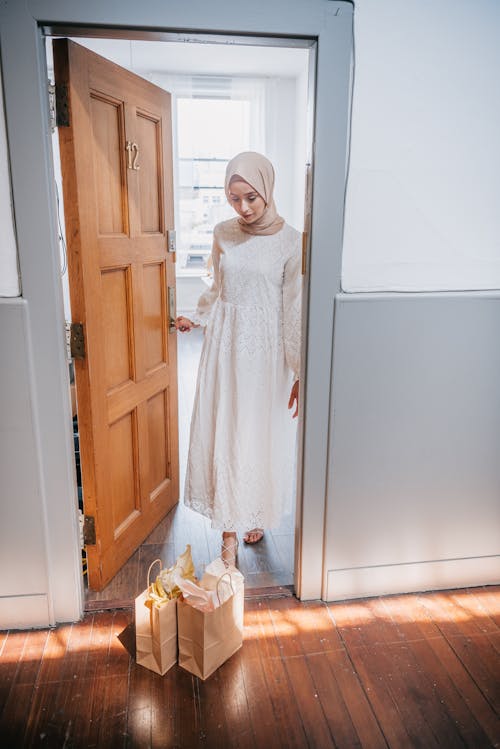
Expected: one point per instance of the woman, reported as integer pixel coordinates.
(242, 442)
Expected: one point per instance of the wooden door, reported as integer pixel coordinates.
(116, 158)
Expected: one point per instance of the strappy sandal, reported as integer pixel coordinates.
(229, 550)
(259, 532)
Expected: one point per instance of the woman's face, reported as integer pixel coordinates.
(246, 201)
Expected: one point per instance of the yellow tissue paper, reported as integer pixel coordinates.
(164, 588)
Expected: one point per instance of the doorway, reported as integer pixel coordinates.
(266, 93)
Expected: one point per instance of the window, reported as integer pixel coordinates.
(211, 129)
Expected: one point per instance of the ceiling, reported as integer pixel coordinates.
(197, 58)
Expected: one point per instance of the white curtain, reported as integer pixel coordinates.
(252, 90)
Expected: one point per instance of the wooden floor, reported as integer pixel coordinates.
(267, 564)
(400, 671)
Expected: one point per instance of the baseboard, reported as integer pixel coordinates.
(24, 612)
(363, 582)
(109, 605)
(276, 591)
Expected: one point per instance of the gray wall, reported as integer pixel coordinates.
(414, 475)
(23, 581)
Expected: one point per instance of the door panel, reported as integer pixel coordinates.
(158, 441)
(149, 136)
(108, 131)
(116, 326)
(124, 474)
(155, 318)
(117, 178)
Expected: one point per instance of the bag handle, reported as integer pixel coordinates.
(151, 567)
(230, 583)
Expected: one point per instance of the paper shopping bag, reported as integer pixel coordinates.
(208, 638)
(155, 632)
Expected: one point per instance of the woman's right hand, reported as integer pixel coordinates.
(184, 324)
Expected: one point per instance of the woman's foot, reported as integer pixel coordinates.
(253, 536)
(229, 549)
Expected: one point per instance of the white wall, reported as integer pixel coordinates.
(301, 121)
(286, 143)
(280, 142)
(422, 207)
(9, 278)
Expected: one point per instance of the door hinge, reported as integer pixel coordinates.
(89, 538)
(77, 341)
(58, 105)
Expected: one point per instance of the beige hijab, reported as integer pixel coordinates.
(258, 172)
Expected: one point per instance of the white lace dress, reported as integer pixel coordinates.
(240, 470)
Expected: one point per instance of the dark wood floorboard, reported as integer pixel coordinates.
(384, 673)
(266, 564)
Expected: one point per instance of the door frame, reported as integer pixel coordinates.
(326, 23)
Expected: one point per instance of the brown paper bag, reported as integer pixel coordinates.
(155, 632)
(208, 639)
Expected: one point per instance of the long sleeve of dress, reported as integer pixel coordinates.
(292, 310)
(207, 299)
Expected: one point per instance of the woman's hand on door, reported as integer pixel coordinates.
(184, 324)
(294, 399)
